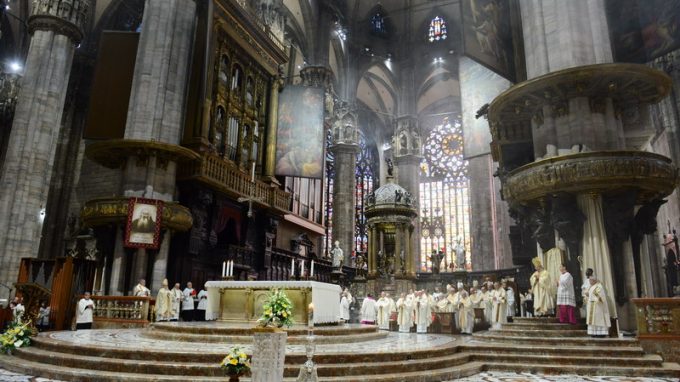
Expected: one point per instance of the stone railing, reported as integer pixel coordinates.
(230, 179)
(658, 318)
(122, 311)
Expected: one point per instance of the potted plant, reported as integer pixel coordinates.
(235, 364)
(17, 335)
(269, 340)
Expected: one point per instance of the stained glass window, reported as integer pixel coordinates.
(378, 24)
(444, 197)
(437, 29)
(364, 186)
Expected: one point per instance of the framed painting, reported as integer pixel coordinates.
(143, 223)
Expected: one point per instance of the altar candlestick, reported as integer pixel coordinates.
(252, 174)
(231, 268)
(311, 271)
(224, 268)
(292, 267)
(302, 268)
(102, 284)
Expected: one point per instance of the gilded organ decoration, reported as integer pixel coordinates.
(238, 104)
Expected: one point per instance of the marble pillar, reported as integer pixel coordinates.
(156, 112)
(344, 190)
(56, 29)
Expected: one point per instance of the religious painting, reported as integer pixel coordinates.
(478, 86)
(300, 135)
(143, 223)
(487, 35)
(642, 30)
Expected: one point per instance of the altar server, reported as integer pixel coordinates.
(84, 312)
(344, 306)
(566, 300)
(202, 305)
(188, 302)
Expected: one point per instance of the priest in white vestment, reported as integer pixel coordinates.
(344, 306)
(584, 292)
(202, 305)
(140, 290)
(164, 303)
(566, 299)
(487, 303)
(466, 313)
(369, 310)
(384, 310)
(177, 297)
(542, 287)
(598, 318)
(500, 306)
(404, 313)
(423, 312)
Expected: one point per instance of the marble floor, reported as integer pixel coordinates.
(7, 376)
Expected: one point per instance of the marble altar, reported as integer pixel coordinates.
(243, 300)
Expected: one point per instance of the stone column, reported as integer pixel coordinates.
(156, 110)
(56, 28)
(407, 149)
(344, 189)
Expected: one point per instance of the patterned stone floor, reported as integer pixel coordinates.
(6, 376)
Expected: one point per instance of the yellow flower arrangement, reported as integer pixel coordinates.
(277, 310)
(236, 362)
(17, 335)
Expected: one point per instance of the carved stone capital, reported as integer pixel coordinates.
(317, 76)
(65, 17)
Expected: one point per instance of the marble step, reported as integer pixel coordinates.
(528, 348)
(234, 329)
(561, 359)
(497, 336)
(667, 370)
(525, 332)
(536, 320)
(544, 326)
(245, 339)
(208, 356)
(14, 364)
(338, 367)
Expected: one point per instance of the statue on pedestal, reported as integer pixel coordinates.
(337, 255)
(460, 254)
(436, 259)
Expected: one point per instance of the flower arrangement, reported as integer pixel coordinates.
(17, 335)
(277, 310)
(236, 362)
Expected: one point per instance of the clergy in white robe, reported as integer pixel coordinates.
(140, 290)
(164, 303)
(542, 287)
(499, 314)
(384, 310)
(177, 298)
(344, 307)
(202, 305)
(584, 292)
(404, 313)
(511, 300)
(487, 304)
(369, 310)
(188, 302)
(392, 306)
(566, 299)
(598, 318)
(466, 313)
(423, 312)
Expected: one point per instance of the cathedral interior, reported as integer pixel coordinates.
(377, 145)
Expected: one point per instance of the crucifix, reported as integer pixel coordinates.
(251, 194)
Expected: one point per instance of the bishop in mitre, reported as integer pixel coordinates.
(164, 303)
(466, 313)
(423, 312)
(384, 306)
(404, 313)
(598, 318)
(542, 288)
(499, 298)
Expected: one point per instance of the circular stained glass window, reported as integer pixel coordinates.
(443, 153)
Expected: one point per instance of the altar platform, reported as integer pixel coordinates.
(347, 353)
(241, 301)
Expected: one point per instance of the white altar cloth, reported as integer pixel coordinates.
(325, 297)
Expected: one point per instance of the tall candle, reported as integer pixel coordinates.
(311, 270)
(231, 268)
(252, 173)
(102, 284)
(292, 267)
(302, 268)
(224, 268)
